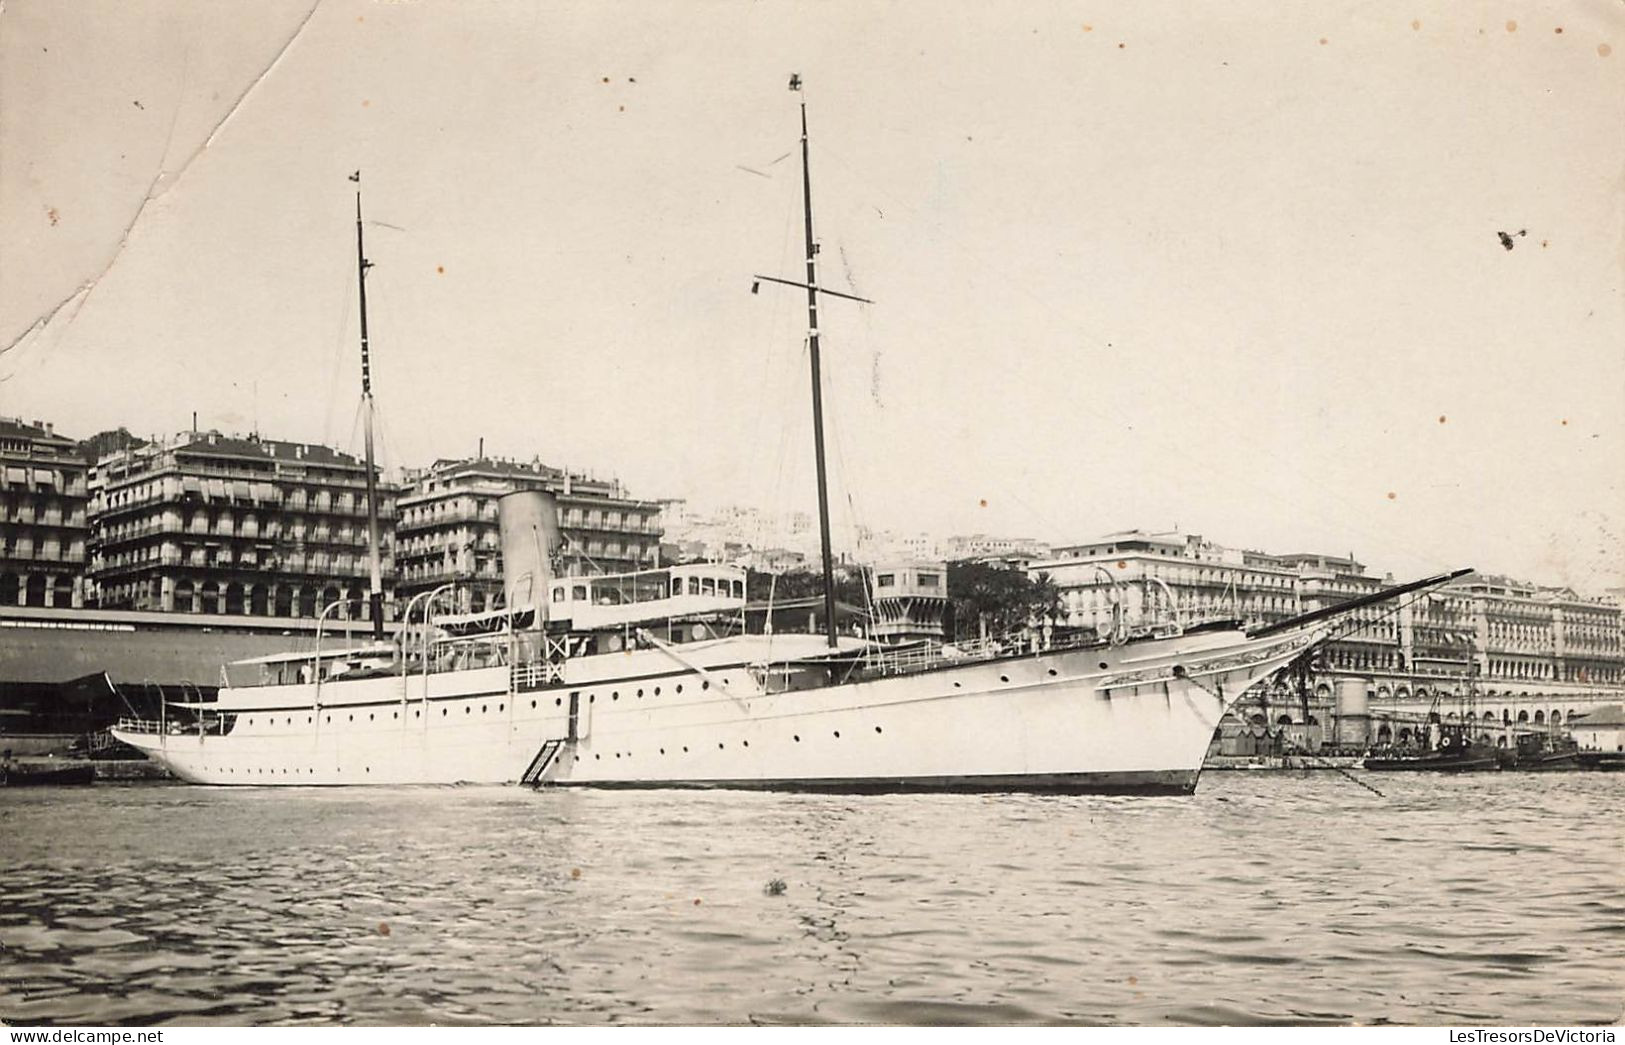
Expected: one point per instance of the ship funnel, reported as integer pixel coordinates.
(531, 542)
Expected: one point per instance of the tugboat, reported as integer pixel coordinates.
(1456, 753)
(1545, 753)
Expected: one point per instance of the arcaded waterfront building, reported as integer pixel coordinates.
(1508, 655)
(1134, 573)
(209, 523)
(447, 530)
(43, 528)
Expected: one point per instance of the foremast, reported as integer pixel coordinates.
(375, 594)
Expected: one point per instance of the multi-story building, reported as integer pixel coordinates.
(447, 531)
(1510, 655)
(1133, 574)
(208, 523)
(43, 495)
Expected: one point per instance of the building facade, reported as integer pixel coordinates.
(447, 531)
(1143, 577)
(44, 525)
(1509, 656)
(208, 523)
(910, 600)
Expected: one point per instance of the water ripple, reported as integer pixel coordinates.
(1278, 899)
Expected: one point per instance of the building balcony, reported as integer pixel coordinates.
(42, 556)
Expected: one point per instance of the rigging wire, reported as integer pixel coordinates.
(1106, 405)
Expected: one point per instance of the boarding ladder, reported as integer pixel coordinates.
(544, 758)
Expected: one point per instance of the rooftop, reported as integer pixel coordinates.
(1607, 715)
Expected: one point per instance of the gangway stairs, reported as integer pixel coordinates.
(544, 758)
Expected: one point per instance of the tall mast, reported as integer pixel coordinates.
(817, 380)
(375, 595)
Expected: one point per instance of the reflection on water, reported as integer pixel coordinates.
(1273, 898)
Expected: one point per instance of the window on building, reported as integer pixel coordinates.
(885, 580)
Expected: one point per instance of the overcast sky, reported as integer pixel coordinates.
(1135, 265)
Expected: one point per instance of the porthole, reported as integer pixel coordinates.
(591, 699)
(705, 685)
(369, 769)
(307, 720)
(533, 705)
(616, 695)
(837, 734)
(394, 714)
(657, 692)
(483, 708)
(418, 713)
(598, 757)
(329, 718)
(369, 716)
(467, 710)
(640, 692)
(617, 754)
(662, 751)
(719, 745)
(877, 729)
(251, 721)
(443, 712)
(501, 706)
(685, 749)
(745, 742)
(352, 718)
(1004, 678)
(956, 685)
(798, 738)
(290, 720)
(1052, 672)
(557, 702)
(679, 687)
(1102, 665)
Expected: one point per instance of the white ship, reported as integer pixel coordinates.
(649, 679)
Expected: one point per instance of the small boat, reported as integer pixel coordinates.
(1544, 753)
(1456, 753)
(49, 772)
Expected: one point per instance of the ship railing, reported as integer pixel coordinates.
(925, 658)
(535, 674)
(140, 725)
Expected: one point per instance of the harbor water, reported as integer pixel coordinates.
(1265, 898)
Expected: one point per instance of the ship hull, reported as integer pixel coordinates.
(1148, 782)
(1130, 719)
